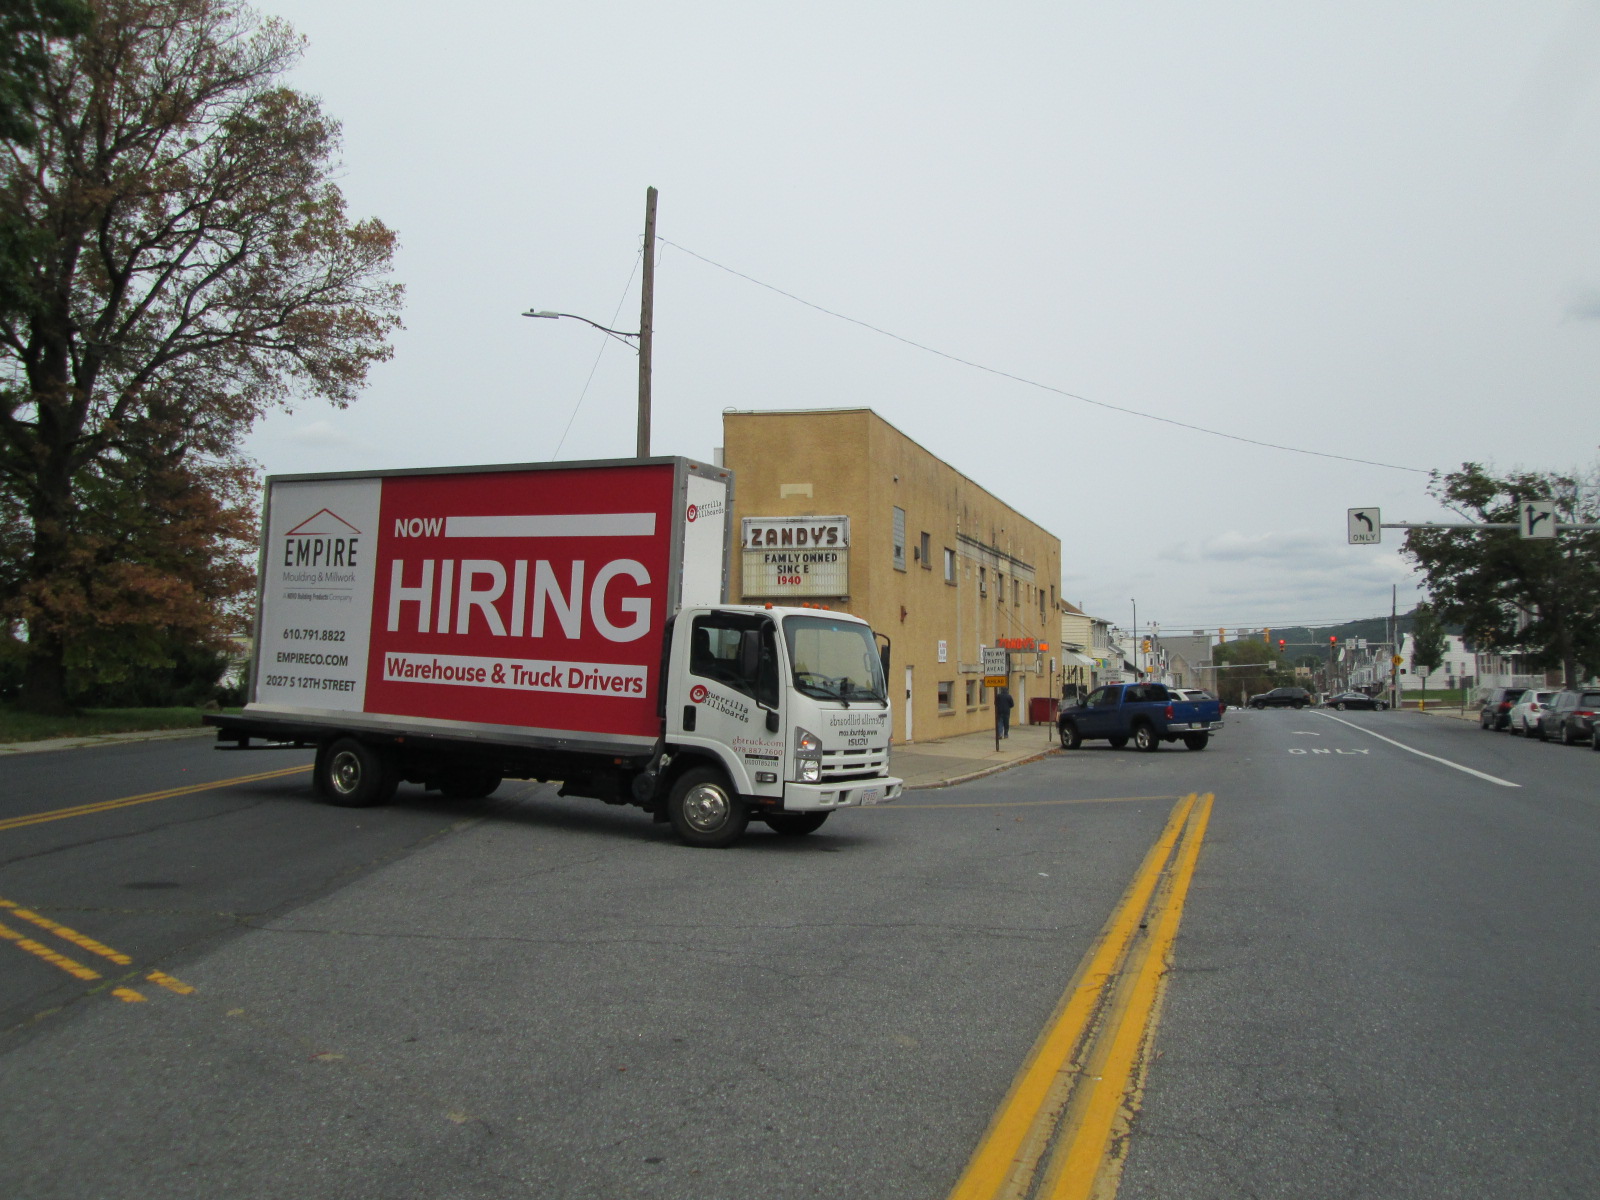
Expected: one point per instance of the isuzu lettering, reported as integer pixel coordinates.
(562, 622)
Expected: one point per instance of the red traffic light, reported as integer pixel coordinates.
(1281, 643)
(1332, 639)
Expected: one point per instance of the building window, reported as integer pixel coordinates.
(924, 554)
(999, 587)
(946, 699)
(983, 581)
(899, 539)
(1016, 592)
(950, 566)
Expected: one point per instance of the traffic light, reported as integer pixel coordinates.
(1281, 643)
(1146, 645)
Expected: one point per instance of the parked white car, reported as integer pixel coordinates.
(1524, 716)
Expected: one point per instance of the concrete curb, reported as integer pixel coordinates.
(99, 739)
(994, 770)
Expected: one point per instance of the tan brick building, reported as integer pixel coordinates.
(839, 507)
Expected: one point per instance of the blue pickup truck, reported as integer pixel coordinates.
(1146, 714)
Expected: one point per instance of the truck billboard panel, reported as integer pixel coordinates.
(525, 597)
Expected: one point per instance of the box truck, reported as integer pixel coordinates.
(556, 622)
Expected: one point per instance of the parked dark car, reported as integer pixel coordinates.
(1344, 700)
(1569, 717)
(1494, 707)
(1284, 697)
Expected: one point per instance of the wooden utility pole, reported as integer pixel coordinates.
(647, 302)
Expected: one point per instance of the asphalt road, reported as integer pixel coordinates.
(1385, 982)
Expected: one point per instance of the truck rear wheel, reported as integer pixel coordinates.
(1144, 737)
(352, 774)
(795, 824)
(1071, 739)
(704, 810)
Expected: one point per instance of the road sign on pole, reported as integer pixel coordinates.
(994, 667)
(1536, 519)
(1364, 526)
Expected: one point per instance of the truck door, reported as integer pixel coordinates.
(1100, 712)
(734, 698)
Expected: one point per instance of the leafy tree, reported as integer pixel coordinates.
(1428, 640)
(199, 269)
(1259, 668)
(1536, 597)
(27, 28)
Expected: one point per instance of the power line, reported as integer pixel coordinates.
(967, 362)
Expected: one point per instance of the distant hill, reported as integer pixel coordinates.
(1304, 640)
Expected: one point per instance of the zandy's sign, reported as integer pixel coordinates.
(795, 556)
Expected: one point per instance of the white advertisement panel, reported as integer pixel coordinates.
(795, 556)
(316, 593)
(705, 540)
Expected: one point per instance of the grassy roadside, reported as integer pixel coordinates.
(30, 727)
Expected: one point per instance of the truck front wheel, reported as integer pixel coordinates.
(353, 774)
(795, 824)
(704, 810)
(1144, 737)
(1071, 739)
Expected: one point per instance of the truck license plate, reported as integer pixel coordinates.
(869, 795)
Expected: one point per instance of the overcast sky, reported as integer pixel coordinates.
(1365, 229)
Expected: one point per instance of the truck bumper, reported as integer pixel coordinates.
(824, 797)
(1194, 726)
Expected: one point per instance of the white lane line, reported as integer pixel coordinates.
(1420, 753)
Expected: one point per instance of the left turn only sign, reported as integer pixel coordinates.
(1366, 526)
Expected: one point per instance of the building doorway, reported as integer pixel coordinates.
(908, 702)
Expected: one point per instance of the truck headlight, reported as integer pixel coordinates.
(807, 756)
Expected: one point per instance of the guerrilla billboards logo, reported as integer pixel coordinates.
(856, 720)
(521, 600)
(711, 508)
(701, 694)
(324, 548)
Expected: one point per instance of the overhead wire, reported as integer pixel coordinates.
(977, 366)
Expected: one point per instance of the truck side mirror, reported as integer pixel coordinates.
(883, 654)
(772, 720)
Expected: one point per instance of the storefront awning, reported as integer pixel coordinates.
(1071, 658)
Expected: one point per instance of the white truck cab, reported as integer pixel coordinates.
(791, 702)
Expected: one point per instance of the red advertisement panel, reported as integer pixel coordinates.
(531, 598)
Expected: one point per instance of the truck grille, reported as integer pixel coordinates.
(859, 762)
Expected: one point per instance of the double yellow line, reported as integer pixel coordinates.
(84, 810)
(1060, 1133)
(78, 970)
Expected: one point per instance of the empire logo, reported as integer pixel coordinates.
(322, 540)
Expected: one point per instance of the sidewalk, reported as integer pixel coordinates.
(99, 739)
(969, 755)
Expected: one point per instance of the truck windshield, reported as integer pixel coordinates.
(834, 660)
